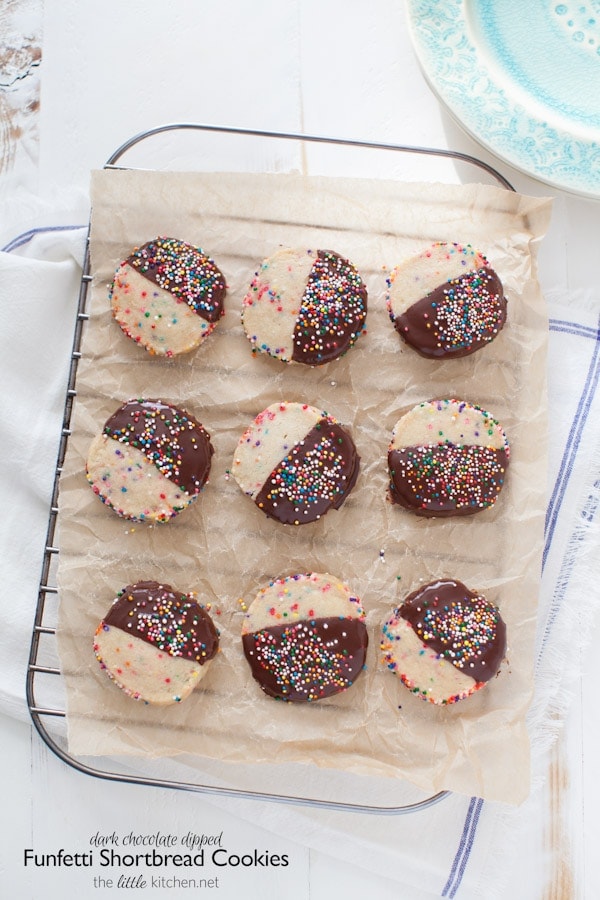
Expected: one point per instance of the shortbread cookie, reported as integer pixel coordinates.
(167, 296)
(150, 461)
(447, 458)
(296, 463)
(306, 306)
(444, 642)
(305, 637)
(156, 643)
(447, 301)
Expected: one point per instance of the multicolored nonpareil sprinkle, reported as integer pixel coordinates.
(468, 312)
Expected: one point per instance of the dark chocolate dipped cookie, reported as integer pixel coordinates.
(167, 296)
(305, 306)
(156, 643)
(150, 461)
(447, 458)
(444, 642)
(305, 637)
(447, 301)
(296, 463)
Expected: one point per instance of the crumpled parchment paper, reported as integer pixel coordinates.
(224, 548)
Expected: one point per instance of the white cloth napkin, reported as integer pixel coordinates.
(39, 284)
(458, 847)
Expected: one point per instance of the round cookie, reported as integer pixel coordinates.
(447, 301)
(150, 461)
(447, 458)
(305, 637)
(296, 463)
(167, 296)
(305, 306)
(444, 642)
(156, 643)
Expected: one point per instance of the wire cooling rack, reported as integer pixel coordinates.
(44, 677)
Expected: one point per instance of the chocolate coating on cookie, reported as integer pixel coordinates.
(459, 625)
(185, 272)
(332, 312)
(307, 660)
(315, 477)
(169, 620)
(447, 458)
(170, 438)
(457, 318)
(446, 480)
(447, 302)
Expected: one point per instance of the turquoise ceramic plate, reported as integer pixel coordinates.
(523, 77)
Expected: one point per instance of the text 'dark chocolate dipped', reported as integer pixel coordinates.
(304, 638)
(447, 458)
(296, 463)
(150, 461)
(155, 642)
(446, 302)
(305, 306)
(444, 642)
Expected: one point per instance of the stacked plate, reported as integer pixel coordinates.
(523, 79)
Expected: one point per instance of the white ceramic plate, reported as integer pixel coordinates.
(523, 77)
